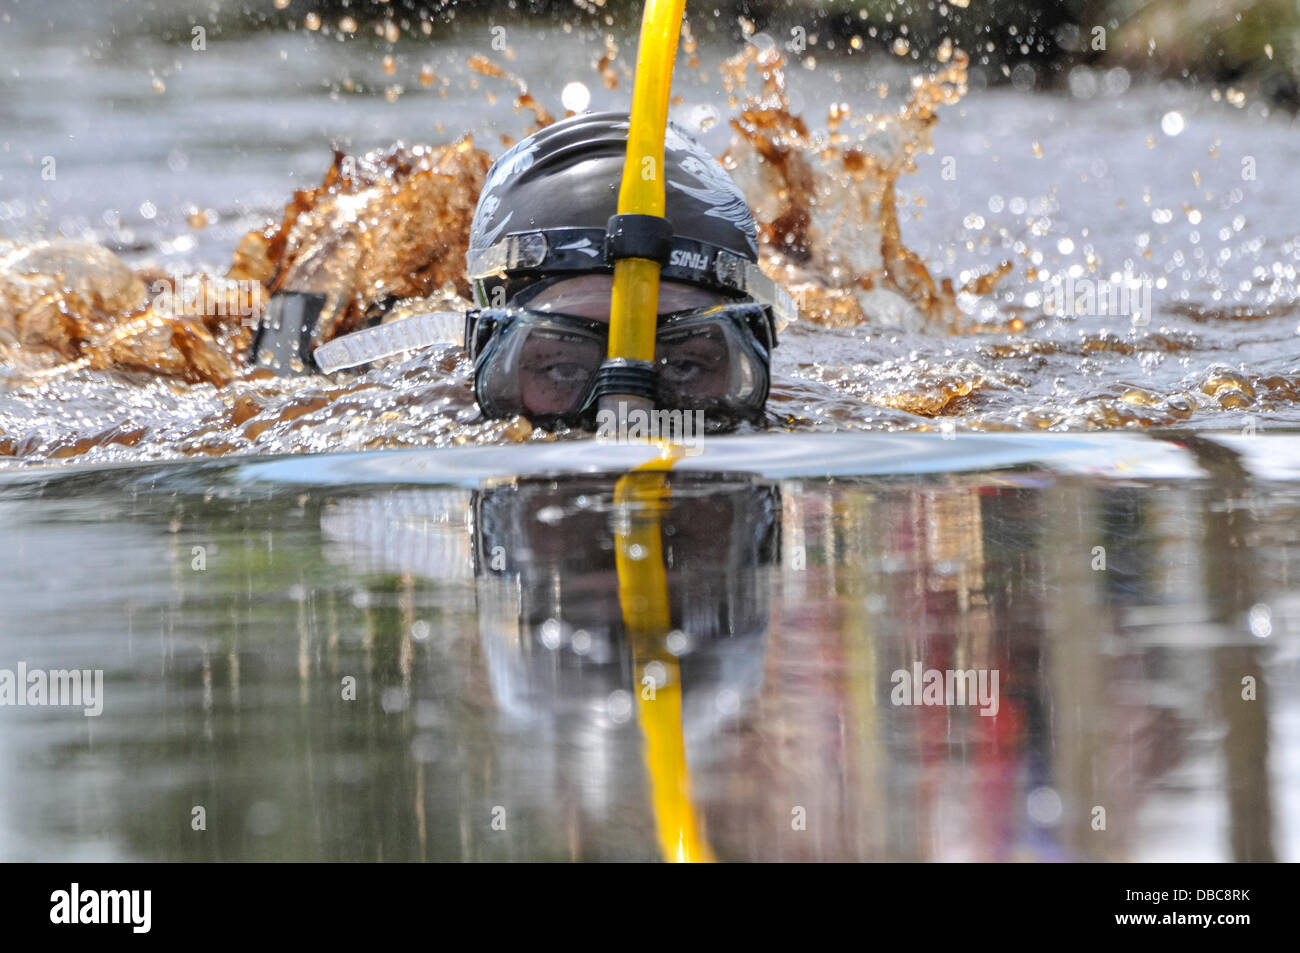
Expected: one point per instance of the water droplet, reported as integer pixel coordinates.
(575, 97)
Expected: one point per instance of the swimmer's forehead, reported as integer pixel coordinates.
(588, 296)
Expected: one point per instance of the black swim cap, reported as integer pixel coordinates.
(567, 176)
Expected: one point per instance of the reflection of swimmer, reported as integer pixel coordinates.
(542, 246)
(549, 592)
(642, 592)
(565, 571)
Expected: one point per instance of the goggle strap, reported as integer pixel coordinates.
(751, 280)
(386, 340)
(560, 250)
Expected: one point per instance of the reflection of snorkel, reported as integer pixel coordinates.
(643, 597)
(599, 597)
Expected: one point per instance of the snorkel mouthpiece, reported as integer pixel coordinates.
(621, 379)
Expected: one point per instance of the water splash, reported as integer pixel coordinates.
(90, 369)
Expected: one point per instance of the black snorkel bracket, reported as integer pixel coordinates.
(633, 383)
(638, 236)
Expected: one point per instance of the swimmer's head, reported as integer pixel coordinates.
(542, 275)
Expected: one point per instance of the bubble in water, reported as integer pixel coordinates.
(1044, 806)
(551, 634)
(1116, 81)
(1172, 123)
(727, 701)
(657, 673)
(618, 706)
(1261, 621)
(581, 642)
(420, 630)
(263, 818)
(394, 700)
(1083, 83)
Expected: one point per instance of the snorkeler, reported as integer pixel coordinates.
(542, 245)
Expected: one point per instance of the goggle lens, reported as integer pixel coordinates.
(544, 365)
(555, 370)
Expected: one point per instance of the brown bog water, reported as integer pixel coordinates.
(337, 653)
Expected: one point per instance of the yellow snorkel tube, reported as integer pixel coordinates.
(639, 240)
(639, 235)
